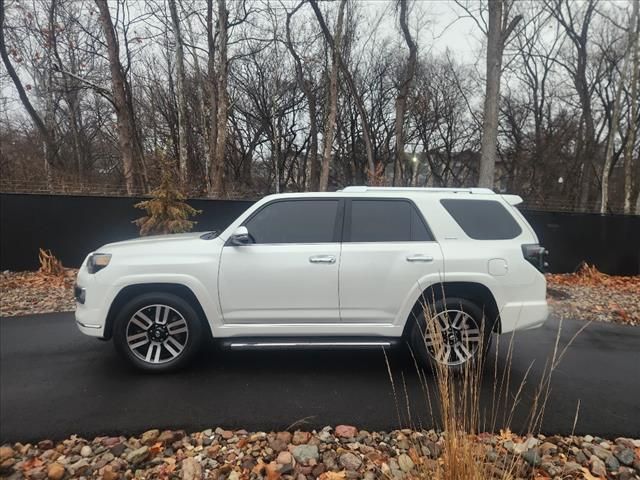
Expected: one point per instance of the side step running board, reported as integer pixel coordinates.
(252, 343)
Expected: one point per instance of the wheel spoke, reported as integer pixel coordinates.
(139, 344)
(471, 335)
(137, 340)
(458, 319)
(445, 353)
(462, 351)
(138, 320)
(162, 314)
(179, 326)
(173, 346)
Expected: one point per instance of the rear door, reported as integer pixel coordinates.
(289, 273)
(387, 249)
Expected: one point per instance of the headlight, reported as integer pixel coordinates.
(98, 261)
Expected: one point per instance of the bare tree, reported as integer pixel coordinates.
(183, 150)
(45, 134)
(306, 86)
(500, 26)
(634, 45)
(366, 131)
(615, 114)
(222, 98)
(332, 100)
(403, 91)
(576, 27)
(130, 151)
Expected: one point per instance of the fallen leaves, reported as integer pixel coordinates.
(592, 295)
(25, 293)
(589, 276)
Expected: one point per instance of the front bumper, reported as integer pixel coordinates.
(89, 321)
(91, 304)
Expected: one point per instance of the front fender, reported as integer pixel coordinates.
(204, 294)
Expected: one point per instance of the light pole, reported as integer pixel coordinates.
(415, 171)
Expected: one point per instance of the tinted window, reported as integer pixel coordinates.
(299, 221)
(483, 219)
(386, 221)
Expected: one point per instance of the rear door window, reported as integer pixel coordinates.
(482, 219)
(385, 221)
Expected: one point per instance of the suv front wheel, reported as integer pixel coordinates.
(452, 332)
(157, 332)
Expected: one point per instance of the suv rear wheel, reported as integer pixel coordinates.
(452, 332)
(157, 332)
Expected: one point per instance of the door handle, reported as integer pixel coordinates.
(419, 258)
(322, 259)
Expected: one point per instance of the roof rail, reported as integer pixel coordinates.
(364, 188)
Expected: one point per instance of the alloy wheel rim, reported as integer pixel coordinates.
(157, 334)
(453, 338)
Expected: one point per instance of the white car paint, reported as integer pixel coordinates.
(370, 289)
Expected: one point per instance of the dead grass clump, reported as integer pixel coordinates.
(49, 265)
(464, 419)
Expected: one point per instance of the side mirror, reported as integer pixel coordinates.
(240, 237)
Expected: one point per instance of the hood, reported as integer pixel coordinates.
(152, 240)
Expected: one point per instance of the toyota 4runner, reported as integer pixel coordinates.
(439, 268)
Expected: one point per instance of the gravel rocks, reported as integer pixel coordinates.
(346, 431)
(55, 471)
(328, 454)
(305, 453)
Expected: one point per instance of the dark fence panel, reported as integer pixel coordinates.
(72, 226)
(610, 242)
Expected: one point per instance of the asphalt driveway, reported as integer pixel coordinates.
(55, 382)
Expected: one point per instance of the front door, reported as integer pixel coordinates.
(387, 251)
(289, 273)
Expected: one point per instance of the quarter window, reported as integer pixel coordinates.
(386, 221)
(482, 219)
(295, 221)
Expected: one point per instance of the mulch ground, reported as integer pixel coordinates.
(587, 294)
(592, 295)
(25, 293)
(343, 453)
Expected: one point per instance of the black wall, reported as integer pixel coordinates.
(72, 226)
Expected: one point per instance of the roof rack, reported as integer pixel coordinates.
(364, 188)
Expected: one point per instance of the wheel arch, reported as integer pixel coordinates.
(131, 291)
(473, 291)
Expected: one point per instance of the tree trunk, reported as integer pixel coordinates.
(218, 166)
(631, 136)
(500, 27)
(492, 96)
(212, 99)
(366, 129)
(615, 120)
(403, 93)
(332, 101)
(306, 86)
(183, 149)
(125, 122)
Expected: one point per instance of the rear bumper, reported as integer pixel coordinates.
(523, 315)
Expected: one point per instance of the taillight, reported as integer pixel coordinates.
(536, 255)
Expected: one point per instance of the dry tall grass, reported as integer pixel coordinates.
(464, 417)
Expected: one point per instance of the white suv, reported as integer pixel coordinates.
(351, 268)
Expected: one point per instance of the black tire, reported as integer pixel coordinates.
(425, 355)
(177, 307)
